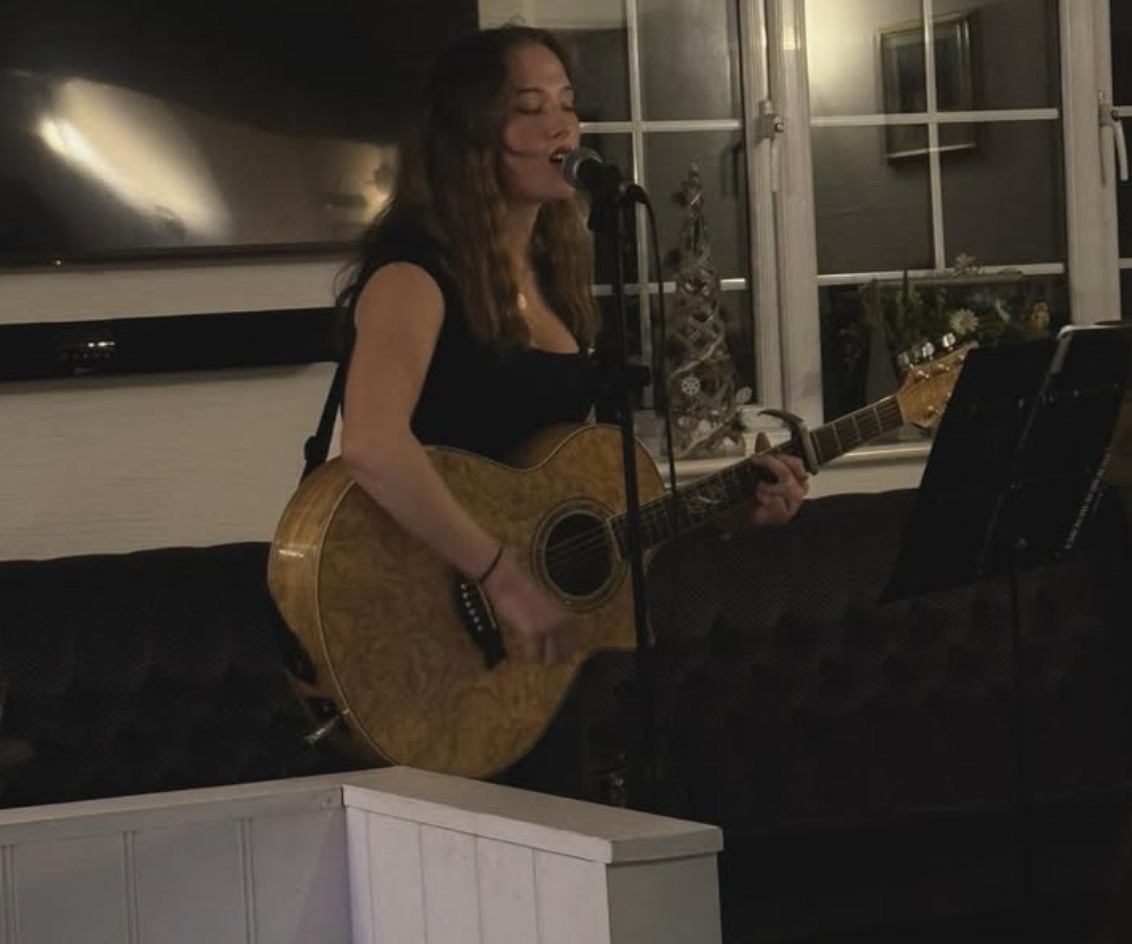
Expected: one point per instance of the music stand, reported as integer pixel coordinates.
(1013, 474)
(1016, 462)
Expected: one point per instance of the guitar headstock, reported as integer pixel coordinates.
(926, 387)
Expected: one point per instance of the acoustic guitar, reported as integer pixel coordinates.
(400, 658)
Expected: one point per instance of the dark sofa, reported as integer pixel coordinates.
(863, 757)
(150, 671)
(860, 756)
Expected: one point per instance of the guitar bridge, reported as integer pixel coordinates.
(479, 621)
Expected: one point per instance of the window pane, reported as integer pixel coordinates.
(601, 75)
(608, 314)
(719, 155)
(866, 53)
(1126, 294)
(689, 59)
(1124, 207)
(1017, 170)
(735, 313)
(616, 149)
(1121, 14)
(738, 318)
(1013, 52)
(850, 379)
(866, 327)
(843, 56)
(597, 37)
(872, 213)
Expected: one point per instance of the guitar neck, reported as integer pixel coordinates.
(713, 496)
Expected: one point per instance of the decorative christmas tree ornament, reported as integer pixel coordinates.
(702, 386)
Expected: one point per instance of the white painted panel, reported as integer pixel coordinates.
(300, 883)
(451, 888)
(124, 291)
(361, 881)
(398, 891)
(121, 464)
(71, 890)
(276, 864)
(551, 823)
(178, 807)
(191, 885)
(7, 897)
(572, 900)
(665, 902)
(506, 874)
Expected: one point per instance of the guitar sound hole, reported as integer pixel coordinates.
(578, 559)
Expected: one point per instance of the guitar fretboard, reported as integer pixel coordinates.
(712, 496)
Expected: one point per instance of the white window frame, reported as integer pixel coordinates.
(784, 190)
(1090, 164)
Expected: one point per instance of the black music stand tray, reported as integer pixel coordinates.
(1013, 474)
(1016, 462)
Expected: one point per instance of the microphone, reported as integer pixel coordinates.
(584, 169)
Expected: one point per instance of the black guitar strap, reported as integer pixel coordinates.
(317, 446)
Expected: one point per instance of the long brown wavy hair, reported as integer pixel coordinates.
(449, 181)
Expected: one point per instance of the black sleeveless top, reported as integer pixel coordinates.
(479, 396)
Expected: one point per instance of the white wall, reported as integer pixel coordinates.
(120, 463)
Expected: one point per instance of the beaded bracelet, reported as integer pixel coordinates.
(490, 567)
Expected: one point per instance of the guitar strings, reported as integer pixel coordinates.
(597, 538)
(729, 480)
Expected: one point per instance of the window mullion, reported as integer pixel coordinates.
(1090, 196)
(799, 354)
(760, 148)
(639, 171)
(935, 170)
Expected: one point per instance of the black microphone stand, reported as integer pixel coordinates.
(611, 205)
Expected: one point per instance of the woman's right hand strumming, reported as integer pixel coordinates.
(543, 631)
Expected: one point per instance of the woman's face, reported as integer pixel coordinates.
(539, 125)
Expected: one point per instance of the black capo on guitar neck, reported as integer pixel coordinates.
(798, 434)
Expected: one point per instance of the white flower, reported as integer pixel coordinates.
(963, 321)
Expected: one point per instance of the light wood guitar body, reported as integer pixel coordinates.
(377, 612)
(402, 661)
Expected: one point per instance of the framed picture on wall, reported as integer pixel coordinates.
(904, 86)
(129, 136)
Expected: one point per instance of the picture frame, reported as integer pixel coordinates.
(903, 68)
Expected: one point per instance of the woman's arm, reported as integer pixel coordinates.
(397, 318)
